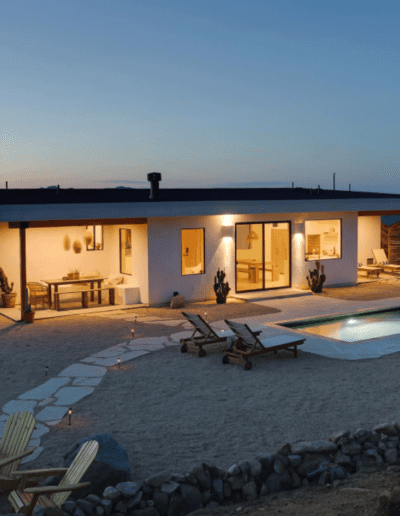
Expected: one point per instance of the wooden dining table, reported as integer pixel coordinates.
(254, 266)
(56, 282)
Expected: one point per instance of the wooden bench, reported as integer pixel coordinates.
(85, 296)
(369, 269)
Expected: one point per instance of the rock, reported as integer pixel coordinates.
(77, 512)
(263, 490)
(218, 489)
(313, 447)
(387, 429)
(335, 438)
(134, 502)
(128, 489)
(161, 501)
(148, 511)
(93, 499)
(249, 491)
(107, 506)
(191, 497)
(203, 478)
(158, 479)
(176, 506)
(110, 467)
(169, 487)
(389, 503)
(177, 302)
(294, 460)
(111, 493)
(85, 506)
(68, 506)
(237, 482)
(362, 435)
(47, 511)
(351, 448)
(254, 467)
(310, 462)
(234, 470)
(391, 456)
(277, 482)
(278, 466)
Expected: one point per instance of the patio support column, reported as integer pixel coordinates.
(22, 267)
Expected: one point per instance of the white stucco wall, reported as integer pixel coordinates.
(369, 237)
(164, 237)
(9, 256)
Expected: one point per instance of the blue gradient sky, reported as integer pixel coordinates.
(99, 93)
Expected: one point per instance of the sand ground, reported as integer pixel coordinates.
(173, 411)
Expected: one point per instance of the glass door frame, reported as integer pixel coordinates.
(263, 254)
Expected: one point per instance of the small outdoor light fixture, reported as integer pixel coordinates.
(47, 370)
(69, 415)
(227, 231)
(205, 315)
(133, 333)
(119, 363)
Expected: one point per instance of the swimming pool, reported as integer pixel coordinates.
(352, 327)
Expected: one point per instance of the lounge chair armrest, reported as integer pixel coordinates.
(56, 489)
(18, 456)
(39, 472)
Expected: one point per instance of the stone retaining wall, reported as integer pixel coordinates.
(208, 486)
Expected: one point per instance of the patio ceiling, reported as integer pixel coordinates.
(78, 222)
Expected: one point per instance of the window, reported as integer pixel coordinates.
(192, 251)
(94, 238)
(323, 239)
(125, 251)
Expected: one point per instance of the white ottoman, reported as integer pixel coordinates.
(127, 295)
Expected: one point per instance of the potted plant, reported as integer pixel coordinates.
(221, 288)
(76, 274)
(29, 314)
(8, 297)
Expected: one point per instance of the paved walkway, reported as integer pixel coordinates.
(56, 395)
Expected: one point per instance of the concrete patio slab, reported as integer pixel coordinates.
(39, 430)
(45, 402)
(70, 395)
(45, 390)
(83, 370)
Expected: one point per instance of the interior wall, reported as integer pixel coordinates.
(369, 237)
(9, 256)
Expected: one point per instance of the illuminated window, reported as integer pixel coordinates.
(192, 251)
(323, 239)
(125, 251)
(94, 238)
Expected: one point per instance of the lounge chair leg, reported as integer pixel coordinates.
(184, 348)
(201, 353)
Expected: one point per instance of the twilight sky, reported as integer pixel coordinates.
(97, 93)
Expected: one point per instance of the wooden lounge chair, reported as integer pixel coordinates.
(17, 433)
(369, 269)
(247, 344)
(207, 335)
(24, 500)
(382, 261)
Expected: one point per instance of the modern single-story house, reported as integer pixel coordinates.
(174, 240)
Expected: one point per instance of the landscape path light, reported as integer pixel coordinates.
(69, 415)
(119, 363)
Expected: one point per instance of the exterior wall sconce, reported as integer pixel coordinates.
(227, 231)
(299, 227)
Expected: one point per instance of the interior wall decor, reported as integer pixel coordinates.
(87, 236)
(77, 246)
(66, 243)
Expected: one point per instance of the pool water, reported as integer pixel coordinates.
(352, 327)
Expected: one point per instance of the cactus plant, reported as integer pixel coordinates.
(316, 280)
(4, 286)
(221, 289)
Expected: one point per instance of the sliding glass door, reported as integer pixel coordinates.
(262, 256)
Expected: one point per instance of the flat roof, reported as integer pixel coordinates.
(30, 196)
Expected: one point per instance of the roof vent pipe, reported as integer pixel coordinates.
(349, 187)
(6, 185)
(292, 184)
(154, 178)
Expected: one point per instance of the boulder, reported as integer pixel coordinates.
(177, 302)
(110, 467)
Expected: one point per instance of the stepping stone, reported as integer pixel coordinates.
(45, 390)
(167, 344)
(33, 456)
(52, 414)
(107, 362)
(39, 430)
(110, 352)
(19, 406)
(87, 381)
(181, 335)
(75, 370)
(45, 402)
(135, 344)
(70, 395)
(33, 442)
(168, 322)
